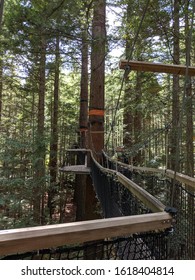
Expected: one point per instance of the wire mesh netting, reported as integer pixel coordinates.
(116, 200)
(182, 241)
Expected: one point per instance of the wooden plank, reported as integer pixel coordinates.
(157, 67)
(78, 169)
(149, 200)
(35, 238)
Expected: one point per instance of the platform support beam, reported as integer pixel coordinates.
(157, 67)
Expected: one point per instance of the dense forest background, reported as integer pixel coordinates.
(45, 54)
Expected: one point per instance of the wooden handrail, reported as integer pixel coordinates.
(182, 178)
(149, 200)
(35, 238)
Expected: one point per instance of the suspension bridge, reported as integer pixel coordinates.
(138, 220)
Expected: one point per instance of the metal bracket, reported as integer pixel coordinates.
(171, 210)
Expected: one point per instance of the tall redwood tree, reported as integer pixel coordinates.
(96, 109)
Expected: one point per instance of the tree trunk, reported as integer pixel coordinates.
(83, 120)
(1, 11)
(189, 169)
(138, 119)
(189, 107)
(54, 133)
(1, 87)
(1, 62)
(128, 116)
(174, 145)
(80, 180)
(96, 110)
(40, 140)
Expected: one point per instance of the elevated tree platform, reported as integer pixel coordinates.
(157, 67)
(78, 169)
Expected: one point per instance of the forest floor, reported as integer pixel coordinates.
(70, 209)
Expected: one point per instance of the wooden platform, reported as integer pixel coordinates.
(157, 67)
(77, 169)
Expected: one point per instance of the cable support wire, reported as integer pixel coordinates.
(127, 71)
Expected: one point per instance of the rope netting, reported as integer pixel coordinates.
(182, 241)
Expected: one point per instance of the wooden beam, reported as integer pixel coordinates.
(157, 67)
(34, 238)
